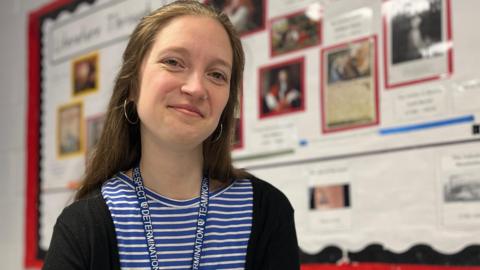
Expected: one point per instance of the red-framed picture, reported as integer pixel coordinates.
(247, 16)
(417, 41)
(282, 88)
(294, 32)
(349, 88)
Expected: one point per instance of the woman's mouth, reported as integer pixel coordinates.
(187, 109)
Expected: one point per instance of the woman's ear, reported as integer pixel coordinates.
(134, 94)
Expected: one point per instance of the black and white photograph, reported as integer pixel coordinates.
(463, 187)
(417, 35)
(417, 31)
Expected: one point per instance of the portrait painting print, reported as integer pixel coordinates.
(247, 16)
(85, 73)
(417, 35)
(349, 94)
(69, 130)
(293, 32)
(281, 88)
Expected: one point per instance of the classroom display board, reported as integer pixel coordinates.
(364, 113)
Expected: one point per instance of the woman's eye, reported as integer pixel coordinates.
(171, 62)
(219, 76)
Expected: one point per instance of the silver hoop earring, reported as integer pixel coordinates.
(219, 133)
(126, 115)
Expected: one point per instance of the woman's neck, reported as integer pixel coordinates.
(172, 173)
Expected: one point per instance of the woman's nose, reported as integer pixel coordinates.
(195, 86)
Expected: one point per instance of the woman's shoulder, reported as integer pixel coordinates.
(86, 211)
(267, 194)
(264, 187)
(84, 235)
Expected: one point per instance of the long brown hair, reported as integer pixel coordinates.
(119, 146)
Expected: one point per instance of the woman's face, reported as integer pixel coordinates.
(185, 82)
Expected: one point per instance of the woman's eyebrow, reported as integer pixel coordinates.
(221, 62)
(184, 51)
(175, 49)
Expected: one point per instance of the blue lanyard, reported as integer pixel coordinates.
(148, 225)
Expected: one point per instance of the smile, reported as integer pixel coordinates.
(187, 109)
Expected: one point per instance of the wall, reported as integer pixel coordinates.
(13, 100)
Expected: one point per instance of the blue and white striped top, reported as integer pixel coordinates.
(227, 230)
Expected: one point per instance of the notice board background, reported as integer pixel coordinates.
(376, 147)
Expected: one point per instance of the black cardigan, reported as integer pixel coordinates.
(84, 235)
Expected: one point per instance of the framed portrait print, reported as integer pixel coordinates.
(281, 88)
(349, 89)
(70, 139)
(417, 41)
(293, 32)
(247, 16)
(85, 70)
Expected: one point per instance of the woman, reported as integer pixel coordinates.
(167, 138)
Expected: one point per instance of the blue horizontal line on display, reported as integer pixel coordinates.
(427, 125)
